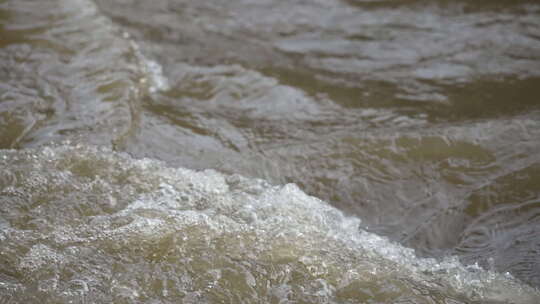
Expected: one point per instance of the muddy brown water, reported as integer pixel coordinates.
(416, 124)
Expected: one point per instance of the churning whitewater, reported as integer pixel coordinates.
(87, 224)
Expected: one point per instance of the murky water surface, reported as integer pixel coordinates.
(417, 124)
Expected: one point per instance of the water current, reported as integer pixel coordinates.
(293, 151)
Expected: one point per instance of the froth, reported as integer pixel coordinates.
(156, 233)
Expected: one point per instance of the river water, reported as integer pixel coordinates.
(294, 151)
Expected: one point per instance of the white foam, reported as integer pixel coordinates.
(221, 225)
(153, 77)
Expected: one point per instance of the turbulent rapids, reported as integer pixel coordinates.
(85, 223)
(273, 151)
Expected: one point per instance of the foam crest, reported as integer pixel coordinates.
(180, 235)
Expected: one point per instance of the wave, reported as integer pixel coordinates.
(83, 222)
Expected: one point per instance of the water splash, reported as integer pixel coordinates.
(85, 222)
